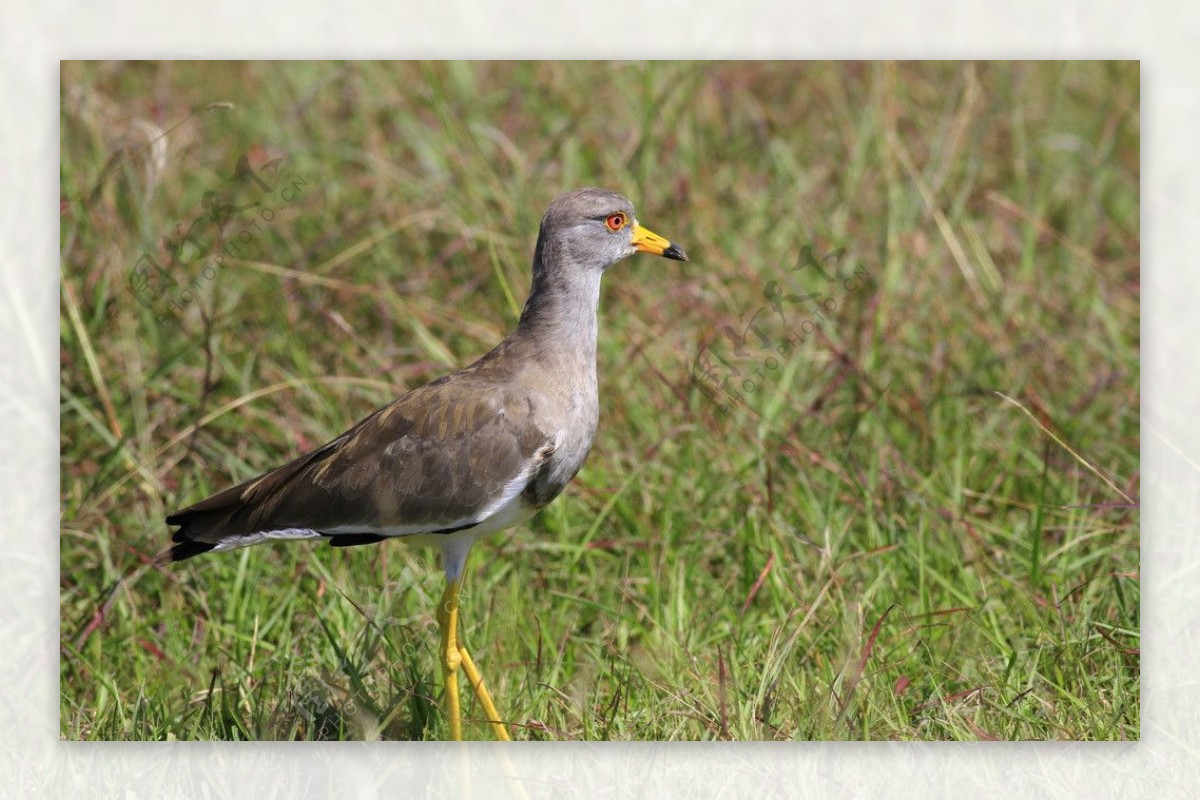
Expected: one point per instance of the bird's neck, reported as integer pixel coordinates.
(561, 311)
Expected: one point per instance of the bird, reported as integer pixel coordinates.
(471, 453)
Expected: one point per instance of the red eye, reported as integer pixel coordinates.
(615, 222)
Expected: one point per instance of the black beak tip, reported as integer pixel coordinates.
(675, 252)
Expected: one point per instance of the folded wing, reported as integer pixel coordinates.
(441, 458)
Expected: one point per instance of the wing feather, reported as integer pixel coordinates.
(442, 456)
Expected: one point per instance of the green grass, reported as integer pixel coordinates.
(864, 539)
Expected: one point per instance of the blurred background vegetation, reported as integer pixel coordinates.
(867, 465)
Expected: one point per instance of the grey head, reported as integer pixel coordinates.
(593, 229)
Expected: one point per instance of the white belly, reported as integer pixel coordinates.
(456, 545)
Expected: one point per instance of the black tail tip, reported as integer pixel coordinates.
(183, 550)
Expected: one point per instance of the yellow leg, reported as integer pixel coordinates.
(485, 699)
(454, 656)
(451, 659)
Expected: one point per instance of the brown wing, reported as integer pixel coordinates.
(441, 457)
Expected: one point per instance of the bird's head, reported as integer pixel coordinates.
(595, 228)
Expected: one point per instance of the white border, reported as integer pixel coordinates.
(34, 37)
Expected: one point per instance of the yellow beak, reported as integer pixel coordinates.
(647, 241)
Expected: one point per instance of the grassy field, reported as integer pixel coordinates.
(867, 466)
